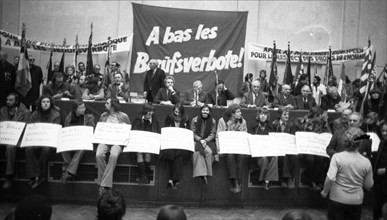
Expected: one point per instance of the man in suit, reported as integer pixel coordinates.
(118, 89)
(196, 97)
(154, 80)
(285, 99)
(340, 123)
(167, 95)
(304, 101)
(220, 95)
(254, 98)
(331, 100)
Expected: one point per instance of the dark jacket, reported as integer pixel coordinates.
(260, 100)
(154, 82)
(280, 100)
(299, 103)
(88, 120)
(189, 97)
(22, 114)
(222, 98)
(162, 96)
(327, 102)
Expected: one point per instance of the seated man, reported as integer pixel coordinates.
(254, 98)
(285, 99)
(59, 89)
(220, 95)
(13, 111)
(304, 101)
(167, 95)
(118, 89)
(330, 100)
(197, 97)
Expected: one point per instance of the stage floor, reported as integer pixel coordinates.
(82, 212)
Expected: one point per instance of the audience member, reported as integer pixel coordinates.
(82, 84)
(33, 207)
(167, 95)
(7, 78)
(106, 169)
(232, 120)
(204, 129)
(16, 61)
(145, 121)
(13, 111)
(119, 89)
(264, 88)
(94, 90)
(76, 117)
(371, 123)
(318, 90)
(254, 98)
(197, 97)
(342, 122)
(154, 80)
(220, 95)
(36, 80)
(285, 99)
(246, 85)
(304, 101)
(348, 173)
(37, 168)
(331, 100)
(70, 76)
(171, 212)
(81, 69)
(380, 175)
(303, 80)
(375, 103)
(58, 89)
(111, 205)
(175, 157)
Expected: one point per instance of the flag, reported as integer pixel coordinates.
(381, 79)
(329, 70)
(106, 73)
(366, 69)
(309, 72)
(341, 88)
(23, 82)
(370, 83)
(273, 79)
(300, 67)
(288, 76)
(49, 69)
(89, 62)
(61, 64)
(76, 53)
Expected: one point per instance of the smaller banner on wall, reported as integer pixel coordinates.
(119, 44)
(264, 53)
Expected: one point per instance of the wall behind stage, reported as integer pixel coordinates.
(308, 25)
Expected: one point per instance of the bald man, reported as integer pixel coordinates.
(285, 99)
(7, 78)
(154, 80)
(305, 101)
(254, 98)
(197, 97)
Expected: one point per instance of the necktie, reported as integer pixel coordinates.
(305, 103)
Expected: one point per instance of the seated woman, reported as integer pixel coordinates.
(37, 168)
(94, 90)
(70, 77)
(268, 165)
(316, 166)
(232, 120)
(145, 121)
(175, 157)
(204, 128)
(76, 117)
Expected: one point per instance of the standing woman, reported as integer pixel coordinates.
(36, 168)
(232, 120)
(76, 117)
(145, 121)
(380, 173)
(246, 85)
(204, 128)
(348, 173)
(268, 165)
(175, 157)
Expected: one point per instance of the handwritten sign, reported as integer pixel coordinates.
(234, 142)
(10, 132)
(177, 138)
(375, 141)
(42, 134)
(312, 143)
(76, 138)
(261, 146)
(112, 134)
(143, 141)
(285, 143)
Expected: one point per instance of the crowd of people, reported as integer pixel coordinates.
(351, 165)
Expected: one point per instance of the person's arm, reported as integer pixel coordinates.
(85, 95)
(101, 94)
(158, 98)
(229, 94)
(368, 182)
(212, 134)
(331, 177)
(125, 93)
(331, 149)
(193, 128)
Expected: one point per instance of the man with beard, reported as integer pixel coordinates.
(318, 90)
(36, 79)
(13, 111)
(7, 77)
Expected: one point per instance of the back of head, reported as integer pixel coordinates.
(111, 206)
(296, 215)
(33, 207)
(171, 212)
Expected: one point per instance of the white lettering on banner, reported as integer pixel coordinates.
(192, 64)
(42, 134)
(10, 132)
(312, 143)
(112, 134)
(154, 36)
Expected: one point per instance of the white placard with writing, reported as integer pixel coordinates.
(375, 141)
(177, 138)
(111, 134)
(261, 146)
(285, 143)
(76, 138)
(234, 142)
(42, 135)
(144, 142)
(312, 143)
(10, 132)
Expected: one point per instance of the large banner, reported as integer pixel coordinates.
(189, 44)
(264, 53)
(119, 44)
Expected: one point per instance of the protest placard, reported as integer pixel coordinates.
(76, 138)
(234, 142)
(312, 143)
(144, 142)
(261, 146)
(286, 143)
(10, 132)
(42, 135)
(112, 134)
(177, 138)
